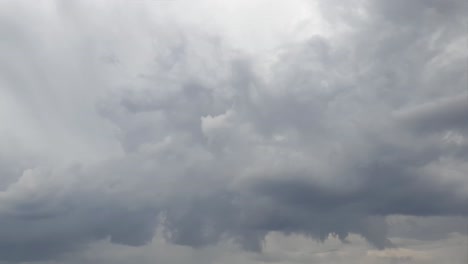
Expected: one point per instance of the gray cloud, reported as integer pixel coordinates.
(186, 132)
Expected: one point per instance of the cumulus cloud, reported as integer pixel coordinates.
(123, 118)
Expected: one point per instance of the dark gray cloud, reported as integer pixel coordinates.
(188, 132)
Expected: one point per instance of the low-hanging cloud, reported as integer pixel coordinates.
(129, 121)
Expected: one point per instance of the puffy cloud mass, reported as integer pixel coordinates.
(191, 124)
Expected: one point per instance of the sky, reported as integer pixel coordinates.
(233, 131)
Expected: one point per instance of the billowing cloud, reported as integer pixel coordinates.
(123, 118)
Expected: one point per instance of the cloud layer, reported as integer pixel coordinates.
(127, 117)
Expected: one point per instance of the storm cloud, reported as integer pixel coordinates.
(123, 118)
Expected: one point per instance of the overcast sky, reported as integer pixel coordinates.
(233, 131)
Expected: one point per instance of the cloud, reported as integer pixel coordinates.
(120, 123)
(278, 248)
